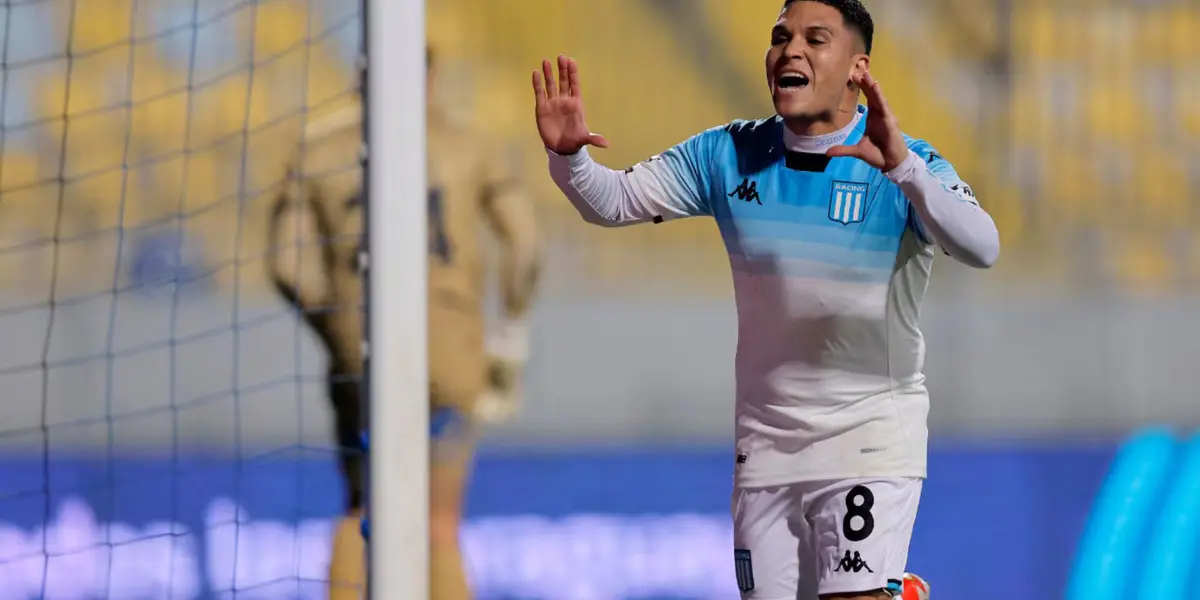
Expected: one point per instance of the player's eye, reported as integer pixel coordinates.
(778, 37)
(816, 41)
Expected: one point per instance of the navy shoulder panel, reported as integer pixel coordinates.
(757, 144)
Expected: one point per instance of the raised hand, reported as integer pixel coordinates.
(559, 109)
(883, 145)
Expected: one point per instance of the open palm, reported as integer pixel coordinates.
(559, 109)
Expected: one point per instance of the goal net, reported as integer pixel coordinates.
(164, 431)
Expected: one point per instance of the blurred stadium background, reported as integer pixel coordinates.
(163, 432)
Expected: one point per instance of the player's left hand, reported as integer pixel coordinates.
(883, 145)
(502, 400)
(508, 352)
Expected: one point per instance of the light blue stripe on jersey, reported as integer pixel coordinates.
(806, 269)
(814, 225)
(823, 253)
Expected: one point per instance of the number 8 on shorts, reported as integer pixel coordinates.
(823, 537)
(862, 534)
(859, 502)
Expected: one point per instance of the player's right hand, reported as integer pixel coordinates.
(559, 109)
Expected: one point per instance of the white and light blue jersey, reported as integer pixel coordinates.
(830, 263)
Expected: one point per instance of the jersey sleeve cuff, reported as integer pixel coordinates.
(907, 170)
(574, 160)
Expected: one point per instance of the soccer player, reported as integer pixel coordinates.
(831, 217)
(315, 233)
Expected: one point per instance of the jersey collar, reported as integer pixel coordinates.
(819, 144)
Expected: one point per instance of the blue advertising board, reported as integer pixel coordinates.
(996, 523)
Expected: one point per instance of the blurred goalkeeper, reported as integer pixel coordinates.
(316, 230)
(831, 217)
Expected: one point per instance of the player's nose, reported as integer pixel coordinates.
(796, 48)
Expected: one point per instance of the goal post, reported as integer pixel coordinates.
(397, 375)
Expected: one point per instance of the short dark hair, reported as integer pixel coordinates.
(857, 17)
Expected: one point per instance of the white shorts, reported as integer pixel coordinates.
(803, 540)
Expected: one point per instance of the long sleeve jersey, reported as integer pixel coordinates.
(830, 261)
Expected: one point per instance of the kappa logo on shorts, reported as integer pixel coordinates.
(852, 563)
(744, 570)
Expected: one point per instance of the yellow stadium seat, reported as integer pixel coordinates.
(1038, 32)
(1003, 202)
(28, 206)
(279, 26)
(192, 183)
(154, 77)
(1069, 189)
(219, 111)
(1162, 195)
(160, 124)
(28, 211)
(93, 144)
(1154, 33)
(331, 84)
(745, 33)
(1033, 121)
(18, 171)
(86, 92)
(99, 23)
(1187, 110)
(1114, 107)
(1182, 35)
(1110, 34)
(450, 30)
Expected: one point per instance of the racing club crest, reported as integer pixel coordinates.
(848, 202)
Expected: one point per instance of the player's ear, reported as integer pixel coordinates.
(860, 66)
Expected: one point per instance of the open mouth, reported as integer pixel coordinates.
(791, 80)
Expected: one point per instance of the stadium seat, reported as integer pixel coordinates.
(1037, 32)
(1161, 188)
(27, 216)
(99, 23)
(1114, 108)
(1179, 35)
(159, 116)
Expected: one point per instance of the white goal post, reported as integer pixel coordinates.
(397, 376)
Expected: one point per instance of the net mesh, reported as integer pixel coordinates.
(163, 433)
(156, 395)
